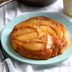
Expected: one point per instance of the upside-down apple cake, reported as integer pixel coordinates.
(39, 37)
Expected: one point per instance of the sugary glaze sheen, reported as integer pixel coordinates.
(39, 37)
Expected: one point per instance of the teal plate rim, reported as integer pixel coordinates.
(8, 28)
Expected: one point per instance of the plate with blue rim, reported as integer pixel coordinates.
(9, 27)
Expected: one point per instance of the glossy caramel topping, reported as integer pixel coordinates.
(39, 32)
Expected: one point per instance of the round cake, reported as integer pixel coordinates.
(39, 37)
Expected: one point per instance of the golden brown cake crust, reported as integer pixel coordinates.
(39, 37)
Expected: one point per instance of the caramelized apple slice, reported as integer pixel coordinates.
(58, 30)
(33, 46)
(26, 35)
(49, 41)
